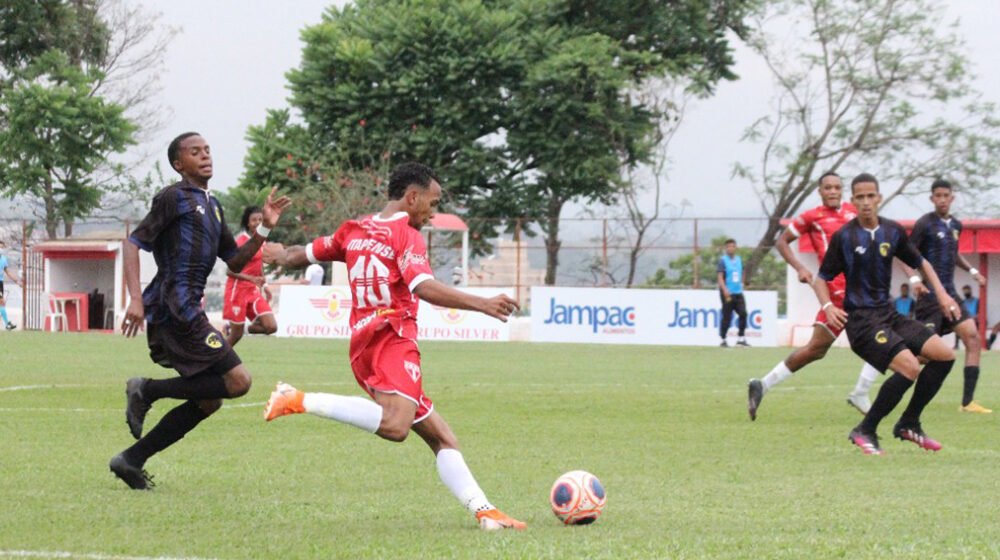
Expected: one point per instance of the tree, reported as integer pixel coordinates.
(55, 135)
(874, 84)
(117, 50)
(520, 106)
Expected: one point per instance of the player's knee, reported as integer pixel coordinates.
(971, 343)
(238, 382)
(393, 432)
(270, 328)
(209, 406)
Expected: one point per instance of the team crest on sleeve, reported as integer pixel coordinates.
(412, 369)
(883, 249)
(954, 233)
(213, 340)
(218, 214)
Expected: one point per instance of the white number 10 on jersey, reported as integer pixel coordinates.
(371, 282)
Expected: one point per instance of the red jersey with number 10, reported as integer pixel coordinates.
(820, 223)
(253, 268)
(386, 260)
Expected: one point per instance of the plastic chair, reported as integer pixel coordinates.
(109, 314)
(54, 310)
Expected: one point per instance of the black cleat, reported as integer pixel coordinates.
(11, 326)
(868, 442)
(724, 344)
(135, 406)
(135, 477)
(743, 343)
(913, 432)
(755, 392)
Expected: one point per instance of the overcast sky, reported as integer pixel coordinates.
(227, 66)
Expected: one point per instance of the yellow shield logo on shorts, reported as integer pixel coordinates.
(930, 326)
(213, 340)
(881, 338)
(883, 249)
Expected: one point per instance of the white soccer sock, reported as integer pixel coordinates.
(458, 478)
(356, 411)
(866, 378)
(777, 375)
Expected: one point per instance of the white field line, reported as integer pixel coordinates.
(84, 555)
(32, 387)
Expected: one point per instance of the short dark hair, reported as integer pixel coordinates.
(941, 184)
(175, 147)
(730, 240)
(904, 285)
(247, 212)
(967, 287)
(864, 178)
(827, 174)
(410, 173)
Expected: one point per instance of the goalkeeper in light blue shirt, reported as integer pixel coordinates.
(5, 270)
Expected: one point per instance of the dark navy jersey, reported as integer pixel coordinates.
(865, 258)
(186, 231)
(937, 241)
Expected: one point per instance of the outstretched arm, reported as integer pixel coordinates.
(17, 279)
(135, 313)
(964, 265)
(271, 212)
(783, 245)
(948, 305)
(499, 306)
(285, 257)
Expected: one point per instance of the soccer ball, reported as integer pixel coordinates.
(577, 498)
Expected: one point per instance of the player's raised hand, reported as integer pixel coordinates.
(273, 208)
(500, 307)
(272, 253)
(950, 308)
(134, 317)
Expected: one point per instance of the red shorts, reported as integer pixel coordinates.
(389, 363)
(245, 306)
(837, 291)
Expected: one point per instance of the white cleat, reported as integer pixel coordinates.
(860, 402)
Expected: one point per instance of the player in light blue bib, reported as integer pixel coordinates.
(6, 270)
(730, 272)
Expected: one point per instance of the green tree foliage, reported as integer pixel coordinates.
(54, 135)
(521, 106)
(869, 85)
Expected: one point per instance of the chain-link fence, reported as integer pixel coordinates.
(672, 253)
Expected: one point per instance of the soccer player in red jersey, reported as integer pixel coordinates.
(819, 225)
(244, 303)
(387, 265)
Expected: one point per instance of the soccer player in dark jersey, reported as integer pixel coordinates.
(186, 231)
(862, 251)
(935, 235)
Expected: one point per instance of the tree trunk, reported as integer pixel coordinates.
(552, 242)
(51, 211)
(67, 228)
(764, 245)
(633, 256)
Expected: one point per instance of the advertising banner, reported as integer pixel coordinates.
(618, 316)
(324, 312)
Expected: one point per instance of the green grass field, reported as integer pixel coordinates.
(665, 428)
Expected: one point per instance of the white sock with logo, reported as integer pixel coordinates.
(866, 378)
(356, 411)
(458, 478)
(776, 376)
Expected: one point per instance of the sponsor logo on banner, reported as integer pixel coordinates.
(623, 316)
(334, 305)
(608, 319)
(451, 316)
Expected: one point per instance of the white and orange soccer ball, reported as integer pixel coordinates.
(577, 498)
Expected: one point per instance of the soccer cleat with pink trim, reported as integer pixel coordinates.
(914, 433)
(867, 442)
(285, 399)
(495, 520)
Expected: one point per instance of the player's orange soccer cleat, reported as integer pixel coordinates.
(285, 399)
(495, 520)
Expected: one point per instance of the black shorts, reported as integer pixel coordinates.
(190, 348)
(929, 313)
(1, 289)
(877, 334)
